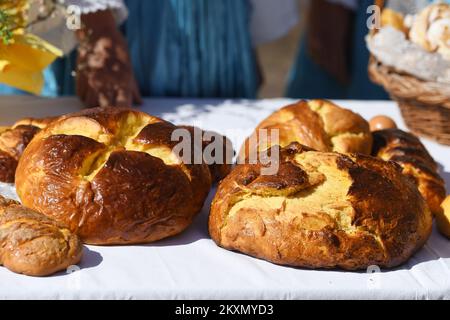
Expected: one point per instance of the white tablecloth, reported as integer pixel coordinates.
(191, 266)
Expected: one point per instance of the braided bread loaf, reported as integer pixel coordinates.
(12, 143)
(32, 244)
(321, 210)
(318, 124)
(406, 149)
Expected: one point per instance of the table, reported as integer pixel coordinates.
(191, 266)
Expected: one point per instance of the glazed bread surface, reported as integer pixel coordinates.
(318, 124)
(321, 210)
(110, 175)
(33, 244)
(221, 168)
(406, 149)
(13, 142)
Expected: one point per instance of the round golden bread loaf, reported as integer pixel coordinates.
(111, 175)
(406, 149)
(318, 124)
(321, 210)
(33, 244)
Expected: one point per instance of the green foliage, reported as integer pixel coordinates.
(13, 16)
(5, 27)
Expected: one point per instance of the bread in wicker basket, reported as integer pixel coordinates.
(424, 104)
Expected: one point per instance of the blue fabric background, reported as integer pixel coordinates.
(196, 48)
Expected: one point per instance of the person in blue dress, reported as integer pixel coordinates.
(197, 48)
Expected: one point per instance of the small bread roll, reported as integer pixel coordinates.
(443, 218)
(381, 122)
(431, 29)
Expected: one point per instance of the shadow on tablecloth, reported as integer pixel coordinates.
(90, 259)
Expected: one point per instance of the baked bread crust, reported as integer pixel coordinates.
(443, 218)
(13, 141)
(110, 175)
(218, 170)
(32, 244)
(321, 210)
(406, 149)
(318, 124)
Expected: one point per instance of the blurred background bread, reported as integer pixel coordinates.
(431, 29)
(111, 176)
(318, 124)
(321, 210)
(13, 141)
(33, 244)
(406, 149)
(222, 162)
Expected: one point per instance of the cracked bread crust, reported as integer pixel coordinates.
(318, 124)
(32, 244)
(322, 210)
(111, 176)
(406, 149)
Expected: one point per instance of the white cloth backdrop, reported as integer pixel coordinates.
(272, 19)
(191, 266)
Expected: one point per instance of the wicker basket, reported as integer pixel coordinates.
(425, 105)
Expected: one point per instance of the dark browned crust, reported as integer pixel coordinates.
(406, 149)
(390, 219)
(133, 197)
(32, 244)
(13, 142)
(218, 170)
(8, 167)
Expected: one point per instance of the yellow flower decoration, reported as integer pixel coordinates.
(23, 57)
